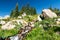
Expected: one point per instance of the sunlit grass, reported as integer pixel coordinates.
(39, 33)
(7, 33)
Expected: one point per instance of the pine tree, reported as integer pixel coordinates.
(51, 8)
(28, 10)
(57, 11)
(34, 10)
(16, 11)
(11, 15)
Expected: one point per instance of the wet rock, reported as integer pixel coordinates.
(7, 38)
(1, 38)
(14, 37)
(22, 33)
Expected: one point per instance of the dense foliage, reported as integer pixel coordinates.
(28, 10)
(44, 31)
(56, 10)
(39, 34)
(15, 13)
(7, 33)
(30, 18)
(25, 9)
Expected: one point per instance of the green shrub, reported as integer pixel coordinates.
(7, 33)
(39, 34)
(30, 18)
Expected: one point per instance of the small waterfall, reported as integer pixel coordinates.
(23, 32)
(14, 37)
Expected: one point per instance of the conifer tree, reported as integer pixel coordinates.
(50, 8)
(11, 15)
(16, 11)
(28, 10)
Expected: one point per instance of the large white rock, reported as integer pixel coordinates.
(19, 17)
(49, 13)
(2, 22)
(24, 14)
(21, 21)
(9, 25)
(18, 21)
(58, 21)
(39, 19)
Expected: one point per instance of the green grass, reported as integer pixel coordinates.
(7, 33)
(39, 33)
(30, 18)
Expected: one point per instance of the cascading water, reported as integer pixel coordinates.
(14, 37)
(22, 33)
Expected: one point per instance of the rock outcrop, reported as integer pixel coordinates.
(22, 32)
(9, 25)
(39, 19)
(48, 13)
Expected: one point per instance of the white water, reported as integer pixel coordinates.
(14, 38)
